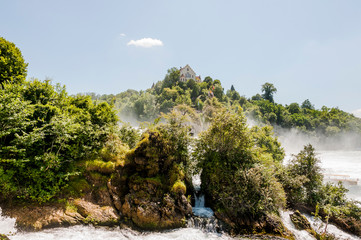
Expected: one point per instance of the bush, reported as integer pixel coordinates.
(12, 64)
(233, 175)
(44, 133)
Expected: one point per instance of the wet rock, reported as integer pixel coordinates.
(4, 237)
(95, 214)
(37, 217)
(300, 221)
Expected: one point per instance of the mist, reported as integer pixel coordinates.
(293, 140)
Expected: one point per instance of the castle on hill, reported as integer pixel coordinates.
(187, 73)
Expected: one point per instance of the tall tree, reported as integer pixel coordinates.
(12, 64)
(268, 90)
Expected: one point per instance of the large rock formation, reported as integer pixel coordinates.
(78, 211)
(155, 195)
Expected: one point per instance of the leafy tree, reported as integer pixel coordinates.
(306, 164)
(44, 133)
(172, 78)
(266, 141)
(233, 176)
(268, 90)
(307, 105)
(257, 97)
(294, 108)
(12, 64)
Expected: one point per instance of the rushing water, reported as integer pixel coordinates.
(317, 226)
(7, 225)
(199, 208)
(342, 165)
(333, 163)
(101, 233)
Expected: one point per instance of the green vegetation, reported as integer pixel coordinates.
(12, 64)
(206, 96)
(53, 146)
(44, 133)
(302, 181)
(238, 176)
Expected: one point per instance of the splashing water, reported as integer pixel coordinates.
(7, 225)
(318, 226)
(101, 233)
(199, 208)
(299, 234)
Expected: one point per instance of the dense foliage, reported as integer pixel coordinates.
(12, 64)
(50, 141)
(204, 96)
(238, 176)
(302, 181)
(43, 133)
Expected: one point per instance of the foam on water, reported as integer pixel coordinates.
(199, 208)
(299, 234)
(101, 233)
(319, 226)
(7, 225)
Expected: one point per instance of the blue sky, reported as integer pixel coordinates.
(307, 49)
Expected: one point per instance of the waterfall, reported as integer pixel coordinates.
(7, 225)
(199, 209)
(203, 217)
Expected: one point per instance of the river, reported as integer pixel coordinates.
(344, 164)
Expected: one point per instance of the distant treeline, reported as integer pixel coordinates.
(204, 96)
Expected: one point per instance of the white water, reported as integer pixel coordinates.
(334, 162)
(101, 233)
(7, 225)
(341, 163)
(199, 208)
(344, 163)
(299, 234)
(317, 225)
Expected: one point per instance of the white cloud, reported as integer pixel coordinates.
(122, 35)
(145, 42)
(357, 113)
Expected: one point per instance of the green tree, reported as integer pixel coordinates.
(234, 179)
(307, 105)
(294, 108)
(12, 64)
(44, 133)
(172, 78)
(268, 90)
(306, 164)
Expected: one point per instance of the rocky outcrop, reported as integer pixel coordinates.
(37, 217)
(269, 224)
(155, 195)
(95, 214)
(4, 237)
(300, 221)
(150, 209)
(348, 224)
(34, 217)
